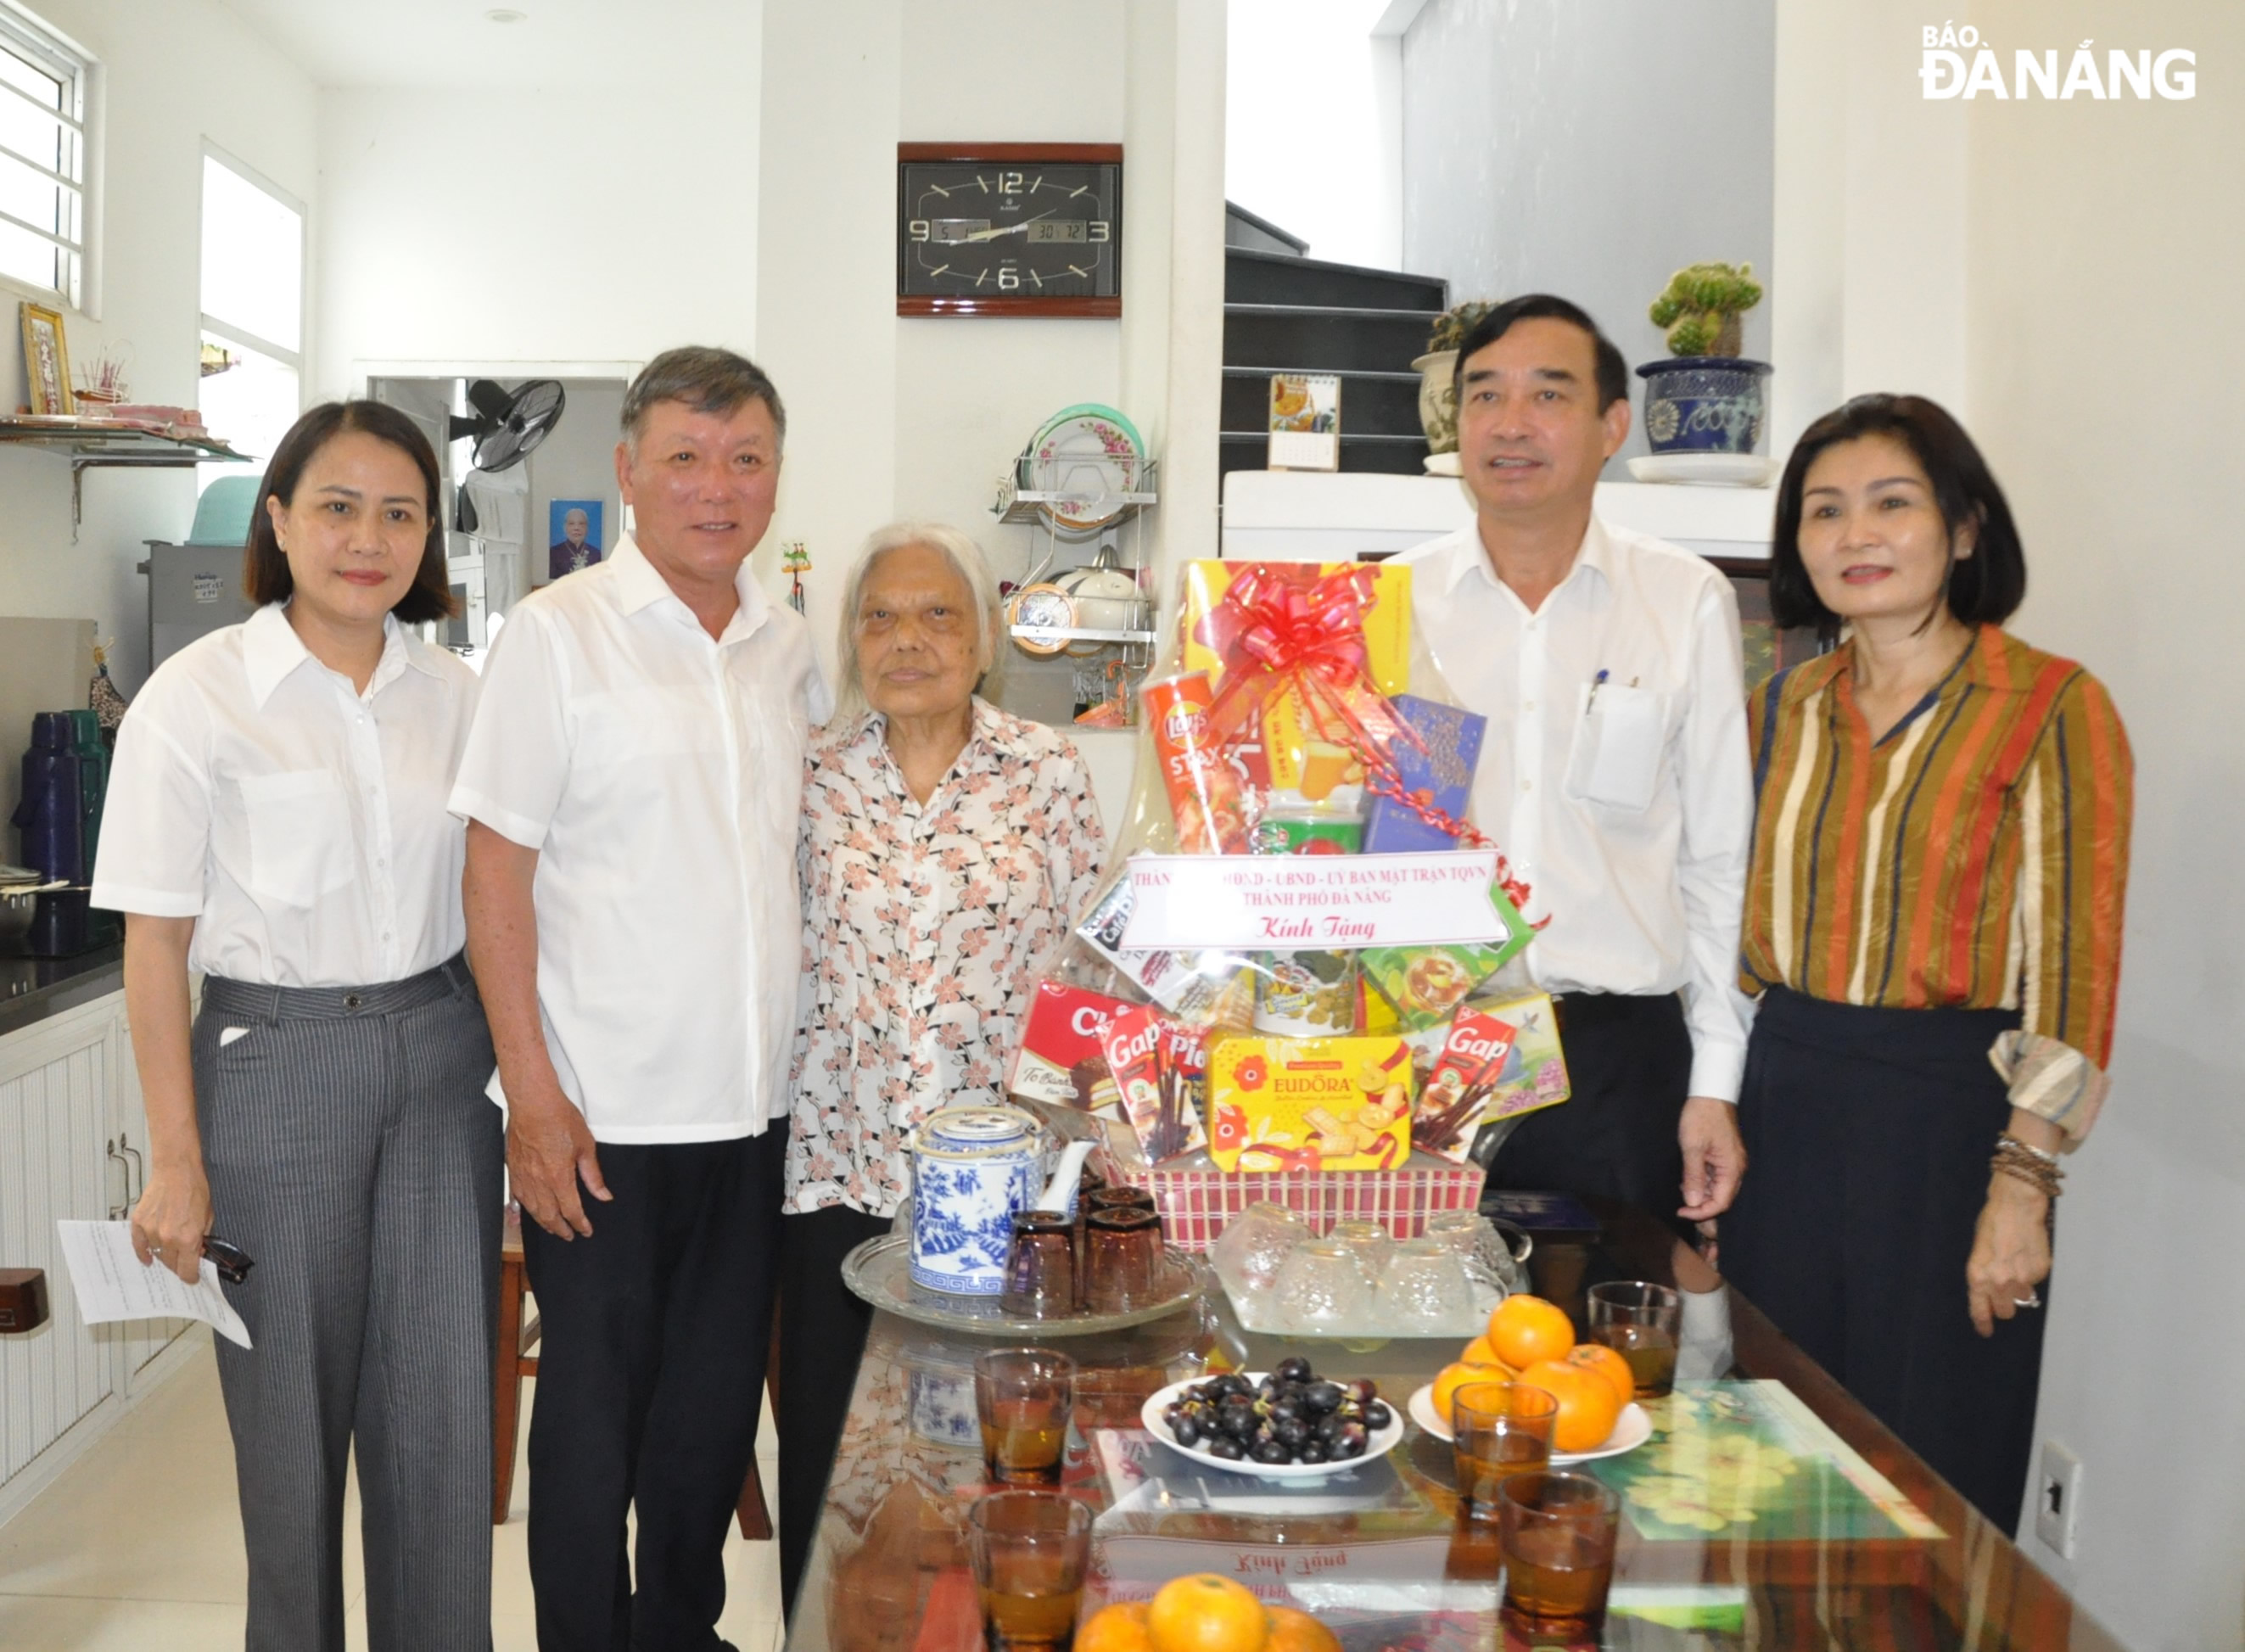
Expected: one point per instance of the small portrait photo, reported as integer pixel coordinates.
(46, 360)
(574, 529)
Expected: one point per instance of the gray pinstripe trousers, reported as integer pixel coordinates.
(352, 1152)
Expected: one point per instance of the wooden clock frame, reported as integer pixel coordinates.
(1078, 306)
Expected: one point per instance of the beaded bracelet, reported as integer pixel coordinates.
(2023, 1161)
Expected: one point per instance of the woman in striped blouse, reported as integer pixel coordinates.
(1933, 931)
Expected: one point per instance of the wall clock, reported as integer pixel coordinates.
(1009, 229)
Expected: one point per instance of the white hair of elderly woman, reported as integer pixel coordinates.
(966, 560)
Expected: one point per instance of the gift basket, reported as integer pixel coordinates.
(1300, 982)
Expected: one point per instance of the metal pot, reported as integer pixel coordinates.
(17, 902)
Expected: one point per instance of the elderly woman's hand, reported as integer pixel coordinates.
(2010, 1253)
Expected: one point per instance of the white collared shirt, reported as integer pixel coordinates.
(301, 823)
(658, 774)
(1630, 813)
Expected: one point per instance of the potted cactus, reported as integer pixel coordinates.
(1705, 398)
(1437, 370)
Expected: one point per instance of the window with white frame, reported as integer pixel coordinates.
(42, 158)
(253, 304)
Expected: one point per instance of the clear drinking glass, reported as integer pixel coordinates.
(1369, 1242)
(1024, 1397)
(1322, 1287)
(1558, 1533)
(1255, 1244)
(1642, 1323)
(1499, 1430)
(1424, 1289)
(1030, 1551)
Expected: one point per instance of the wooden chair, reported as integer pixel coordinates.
(515, 1362)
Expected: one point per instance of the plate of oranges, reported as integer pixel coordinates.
(1530, 1341)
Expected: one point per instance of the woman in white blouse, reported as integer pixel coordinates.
(946, 847)
(276, 821)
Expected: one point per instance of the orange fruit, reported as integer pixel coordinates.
(1480, 1351)
(1454, 1377)
(1588, 1405)
(1205, 1613)
(1524, 1329)
(1296, 1631)
(1598, 1357)
(1120, 1627)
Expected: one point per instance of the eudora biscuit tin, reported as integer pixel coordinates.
(1309, 1104)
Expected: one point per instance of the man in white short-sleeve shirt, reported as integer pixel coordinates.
(1615, 770)
(632, 785)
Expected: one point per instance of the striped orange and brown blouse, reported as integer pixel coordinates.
(1975, 856)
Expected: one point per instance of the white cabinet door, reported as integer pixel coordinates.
(139, 1340)
(55, 1082)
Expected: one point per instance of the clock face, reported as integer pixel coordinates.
(1012, 236)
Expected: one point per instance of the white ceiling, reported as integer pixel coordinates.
(453, 44)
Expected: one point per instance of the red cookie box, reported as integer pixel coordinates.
(1060, 1059)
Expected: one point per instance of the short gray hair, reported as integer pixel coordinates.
(966, 560)
(706, 378)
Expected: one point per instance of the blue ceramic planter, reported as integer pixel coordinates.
(1703, 403)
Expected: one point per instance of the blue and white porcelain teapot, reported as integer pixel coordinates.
(973, 1168)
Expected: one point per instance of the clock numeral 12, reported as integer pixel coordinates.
(1010, 183)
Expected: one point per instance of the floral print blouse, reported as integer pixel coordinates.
(924, 928)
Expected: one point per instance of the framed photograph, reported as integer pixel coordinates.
(573, 530)
(1768, 649)
(46, 360)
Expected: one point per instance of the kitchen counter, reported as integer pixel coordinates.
(33, 989)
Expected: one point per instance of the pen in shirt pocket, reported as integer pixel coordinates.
(1597, 683)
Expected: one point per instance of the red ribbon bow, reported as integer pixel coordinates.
(1279, 628)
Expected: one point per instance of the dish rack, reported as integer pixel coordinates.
(1196, 1202)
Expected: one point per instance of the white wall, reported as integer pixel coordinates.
(1589, 150)
(894, 416)
(174, 74)
(540, 224)
(1313, 126)
(2105, 350)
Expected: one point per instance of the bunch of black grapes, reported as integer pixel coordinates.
(1292, 1416)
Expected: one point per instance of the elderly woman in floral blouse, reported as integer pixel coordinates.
(946, 846)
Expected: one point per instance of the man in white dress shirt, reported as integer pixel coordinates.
(631, 786)
(1615, 773)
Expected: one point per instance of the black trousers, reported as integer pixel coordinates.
(1628, 1066)
(823, 1331)
(649, 1375)
(1868, 1134)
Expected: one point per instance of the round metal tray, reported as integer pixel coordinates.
(879, 1271)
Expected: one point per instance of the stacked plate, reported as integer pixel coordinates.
(1089, 455)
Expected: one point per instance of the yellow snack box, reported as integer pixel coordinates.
(1309, 1104)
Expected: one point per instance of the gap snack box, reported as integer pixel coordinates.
(1535, 1074)
(1309, 1104)
(1458, 1091)
(1155, 1067)
(1059, 1060)
(1441, 776)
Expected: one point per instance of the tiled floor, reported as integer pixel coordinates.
(139, 1544)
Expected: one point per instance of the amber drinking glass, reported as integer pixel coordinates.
(1023, 1397)
(1029, 1551)
(1640, 1322)
(1558, 1533)
(1122, 1259)
(1116, 1197)
(1500, 1429)
(1040, 1266)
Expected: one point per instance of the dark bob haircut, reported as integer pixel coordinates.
(1612, 371)
(265, 575)
(1985, 587)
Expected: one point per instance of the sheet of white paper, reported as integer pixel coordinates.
(110, 1283)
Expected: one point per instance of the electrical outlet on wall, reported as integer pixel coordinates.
(2058, 1498)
